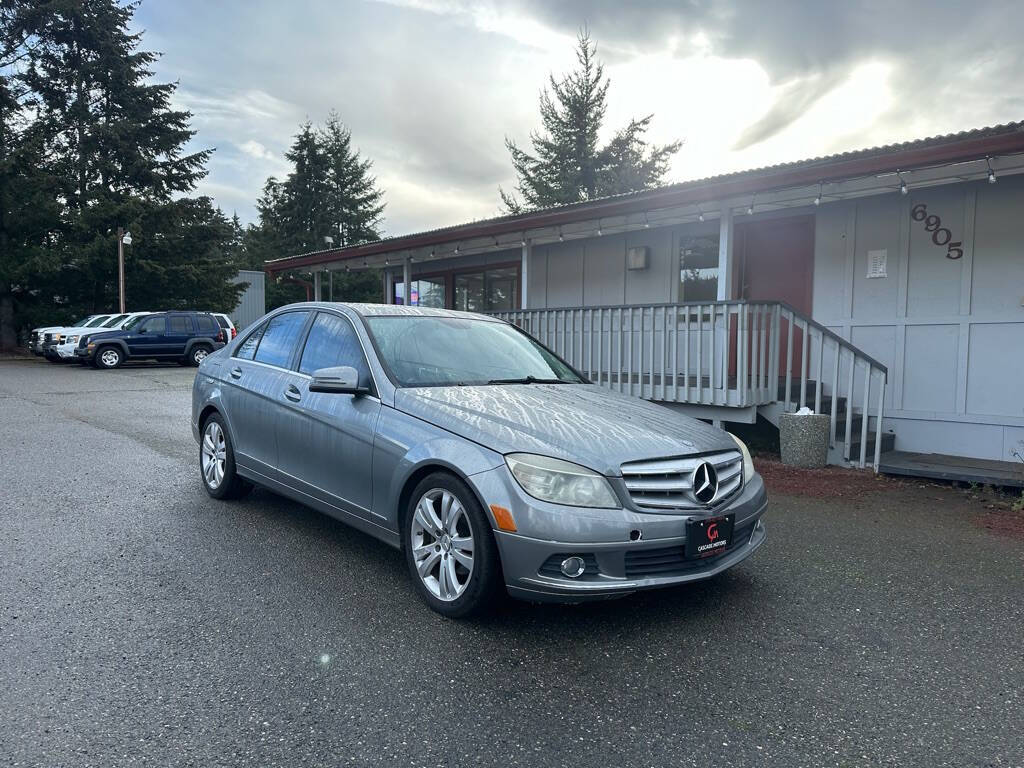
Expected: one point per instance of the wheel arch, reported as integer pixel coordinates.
(425, 469)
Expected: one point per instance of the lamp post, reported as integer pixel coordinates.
(123, 239)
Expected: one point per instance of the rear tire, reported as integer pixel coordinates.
(109, 357)
(445, 530)
(217, 461)
(198, 353)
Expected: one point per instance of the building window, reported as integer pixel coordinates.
(490, 290)
(426, 292)
(698, 269)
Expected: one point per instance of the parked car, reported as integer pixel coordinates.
(477, 451)
(52, 337)
(187, 337)
(226, 323)
(38, 335)
(69, 337)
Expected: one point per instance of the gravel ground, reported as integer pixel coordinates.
(142, 623)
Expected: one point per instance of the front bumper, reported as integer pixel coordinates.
(616, 564)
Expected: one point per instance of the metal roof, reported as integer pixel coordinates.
(1007, 138)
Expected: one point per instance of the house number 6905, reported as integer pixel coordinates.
(940, 235)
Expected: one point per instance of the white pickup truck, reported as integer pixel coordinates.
(68, 338)
(48, 337)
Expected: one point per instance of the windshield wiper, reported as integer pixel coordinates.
(529, 380)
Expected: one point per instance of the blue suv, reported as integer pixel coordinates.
(185, 337)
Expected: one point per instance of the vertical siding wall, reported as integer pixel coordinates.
(951, 331)
(253, 303)
(592, 272)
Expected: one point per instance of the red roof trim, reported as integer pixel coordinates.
(922, 154)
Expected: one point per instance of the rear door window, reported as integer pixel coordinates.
(180, 324)
(247, 349)
(280, 339)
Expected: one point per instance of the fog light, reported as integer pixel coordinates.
(573, 567)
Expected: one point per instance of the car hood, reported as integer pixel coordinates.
(582, 423)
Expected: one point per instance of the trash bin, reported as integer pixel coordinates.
(803, 438)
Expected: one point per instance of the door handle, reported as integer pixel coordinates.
(236, 373)
(292, 393)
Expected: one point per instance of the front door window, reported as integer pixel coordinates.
(490, 290)
(425, 292)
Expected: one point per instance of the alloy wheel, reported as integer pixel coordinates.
(442, 544)
(199, 355)
(214, 454)
(110, 358)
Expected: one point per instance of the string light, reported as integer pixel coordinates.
(817, 200)
(456, 249)
(561, 237)
(647, 224)
(750, 208)
(991, 173)
(903, 185)
(599, 232)
(700, 214)
(522, 242)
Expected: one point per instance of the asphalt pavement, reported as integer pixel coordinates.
(142, 623)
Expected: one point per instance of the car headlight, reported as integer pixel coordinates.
(748, 463)
(72, 339)
(561, 482)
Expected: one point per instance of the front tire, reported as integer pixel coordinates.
(109, 358)
(217, 462)
(449, 547)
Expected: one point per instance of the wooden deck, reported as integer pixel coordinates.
(959, 468)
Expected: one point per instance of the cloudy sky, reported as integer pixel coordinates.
(430, 88)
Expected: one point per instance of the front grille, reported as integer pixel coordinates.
(668, 483)
(553, 565)
(671, 561)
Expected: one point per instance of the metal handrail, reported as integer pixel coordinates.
(729, 354)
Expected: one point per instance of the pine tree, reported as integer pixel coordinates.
(329, 192)
(28, 199)
(117, 156)
(567, 165)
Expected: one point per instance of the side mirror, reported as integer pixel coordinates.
(343, 380)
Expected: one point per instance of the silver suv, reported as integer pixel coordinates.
(481, 455)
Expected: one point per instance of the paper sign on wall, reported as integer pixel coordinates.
(876, 263)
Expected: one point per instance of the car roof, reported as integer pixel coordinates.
(391, 310)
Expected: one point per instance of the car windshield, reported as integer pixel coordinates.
(114, 321)
(98, 321)
(431, 351)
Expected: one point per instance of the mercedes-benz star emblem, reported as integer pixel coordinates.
(705, 483)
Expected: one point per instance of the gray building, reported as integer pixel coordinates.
(884, 287)
(252, 304)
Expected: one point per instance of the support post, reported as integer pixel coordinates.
(407, 281)
(316, 285)
(120, 269)
(524, 273)
(725, 255)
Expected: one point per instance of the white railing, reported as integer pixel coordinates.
(726, 353)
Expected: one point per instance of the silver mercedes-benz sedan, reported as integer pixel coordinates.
(480, 454)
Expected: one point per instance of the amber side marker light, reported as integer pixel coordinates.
(504, 518)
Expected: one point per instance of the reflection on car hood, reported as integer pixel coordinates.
(583, 423)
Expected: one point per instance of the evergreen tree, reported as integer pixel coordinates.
(88, 144)
(28, 198)
(329, 192)
(567, 165)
